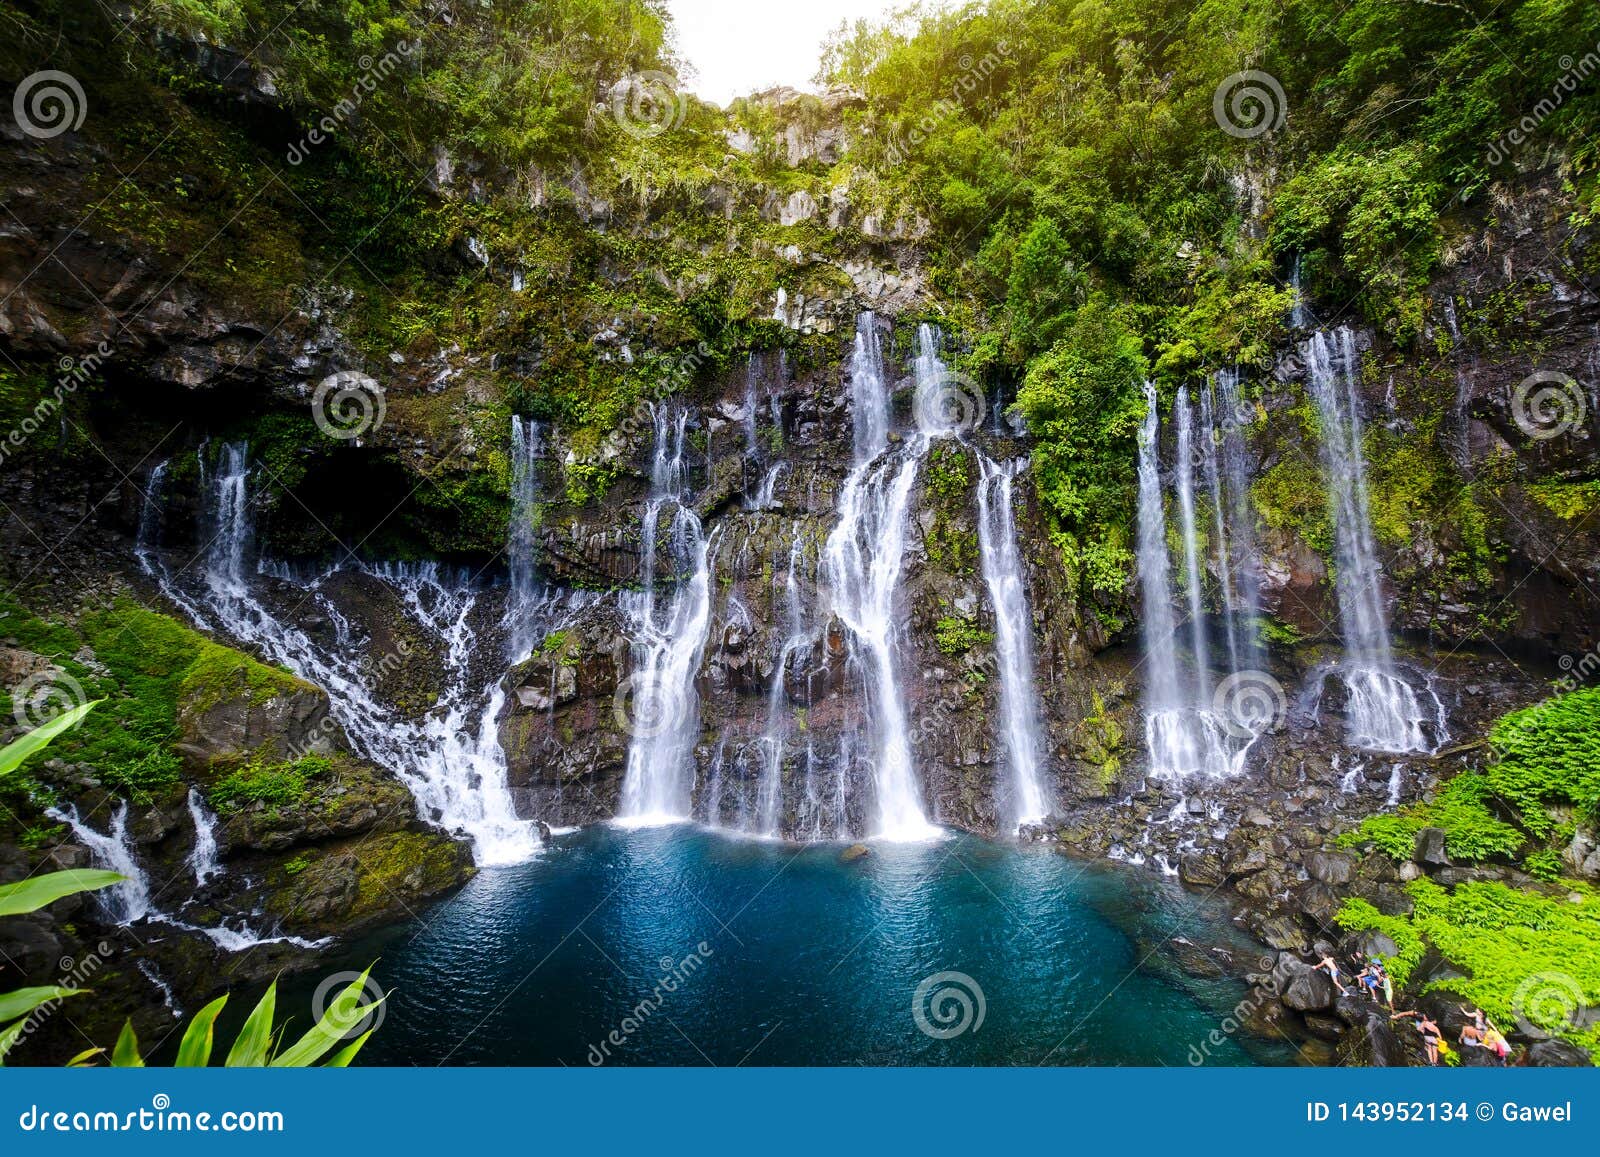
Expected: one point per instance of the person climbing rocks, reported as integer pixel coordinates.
(1371, 979)
(1495, 1041)
(1473, 1034)
(1428, 1029)
(1331, 966)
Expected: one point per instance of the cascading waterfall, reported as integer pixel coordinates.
(1167, 735)
(863, 558)
(1236, 559)
(774, 740)
(451, 761)
(1025, 801)
(527, 593)
(129, 900)
(1384, 711)
(1194, 582)
(1182, 732)
(149, 533)
(669, 641)
(203, 859)
(230, 526)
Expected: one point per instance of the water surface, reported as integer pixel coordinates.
(692, 948)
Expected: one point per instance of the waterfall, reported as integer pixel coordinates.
(1172, 750)
(527, 445)
(1025, 802)
(129, 900)
(149, 534)
(669, 641)
(1237, 559)
(230, 524)
(1194, 578)
(863, 558)
(773, 744)
(203, 859)
(766, 494)
(1384, 711)
(451, 761)
(1182, 731)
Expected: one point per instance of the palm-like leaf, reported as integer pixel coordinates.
(126, 1053)
(195, 1051)
(14, 753)
(30, 895)
(345, 1013)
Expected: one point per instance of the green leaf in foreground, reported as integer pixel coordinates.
(30, 895)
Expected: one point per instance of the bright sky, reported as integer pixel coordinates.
(736, 47)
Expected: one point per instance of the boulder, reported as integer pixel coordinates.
(854, 852)
(1332, 868)
(1429, 848)
(1301, 986)
(1558, 1054)
(232, 705)
(1328, 1028)
(1200, 871)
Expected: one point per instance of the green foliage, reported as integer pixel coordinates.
(1473, 832)
(1356, 915)
(1549, 755)
(1528, 957)
(1083, 400)
(257, 1045)
(34, 893)
(29, 895)
(957, 636)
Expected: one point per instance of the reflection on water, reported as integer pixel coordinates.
(675, 945)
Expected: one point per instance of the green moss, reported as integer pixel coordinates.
(1101, 737)
(220, 673)
(1572, 501)
(276, 784)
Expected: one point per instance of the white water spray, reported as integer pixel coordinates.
(1026, 800)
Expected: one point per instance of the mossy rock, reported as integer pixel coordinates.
(364, 882)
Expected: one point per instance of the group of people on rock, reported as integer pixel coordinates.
(1370, 974)
(1374, 982)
